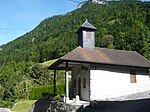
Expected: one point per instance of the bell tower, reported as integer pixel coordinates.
(86, 35)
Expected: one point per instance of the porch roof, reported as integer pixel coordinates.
(101, 56)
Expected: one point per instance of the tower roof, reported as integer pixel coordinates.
(87, 25)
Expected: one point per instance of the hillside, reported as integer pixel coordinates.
(120, 25)
(128, 23)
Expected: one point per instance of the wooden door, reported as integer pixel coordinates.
(79, 87)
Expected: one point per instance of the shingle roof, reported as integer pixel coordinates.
(86, 24)
(106, 56)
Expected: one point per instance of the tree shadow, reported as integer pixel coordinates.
(117, 106)
(41, 105)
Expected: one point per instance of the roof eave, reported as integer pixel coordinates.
(54, 65)
(60, 61)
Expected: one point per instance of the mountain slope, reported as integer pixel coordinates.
(128, 23)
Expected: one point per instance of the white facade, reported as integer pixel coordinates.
(107, 82)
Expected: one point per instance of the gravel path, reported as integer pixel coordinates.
(4, 110)
(136, 96)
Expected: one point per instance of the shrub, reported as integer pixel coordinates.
(36, 92)
(20, 90)
(4, 104)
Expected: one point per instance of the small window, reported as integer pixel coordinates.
(74, 83)
(84, 83)
(133, 76)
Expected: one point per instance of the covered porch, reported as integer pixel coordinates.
(68, 66)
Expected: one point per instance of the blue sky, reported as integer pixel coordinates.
(18, 17)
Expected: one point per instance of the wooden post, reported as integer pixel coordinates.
(54, 82)
(67, 90)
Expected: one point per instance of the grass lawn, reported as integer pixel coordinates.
(48, 63)
(23, 106)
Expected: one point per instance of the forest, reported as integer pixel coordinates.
(123, 25)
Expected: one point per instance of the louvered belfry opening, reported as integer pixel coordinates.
(86, 35)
